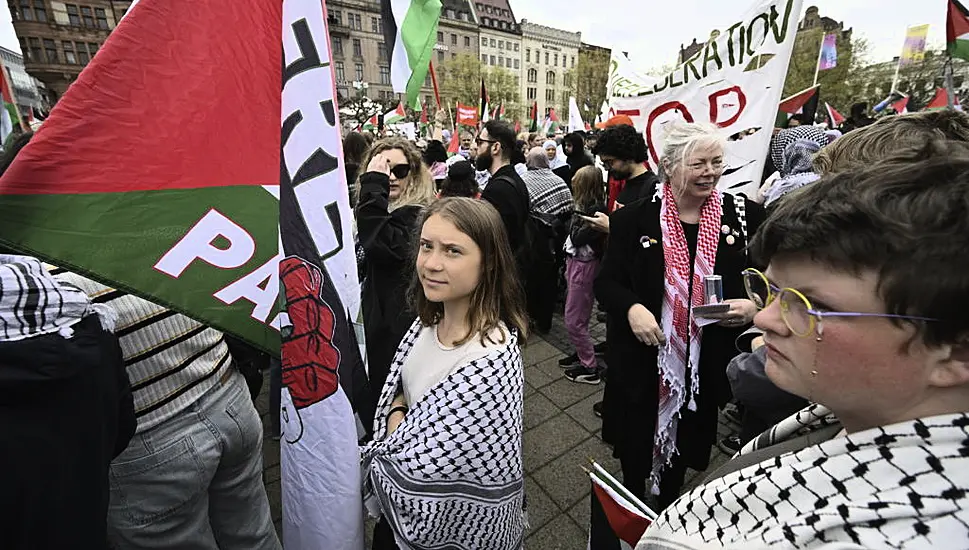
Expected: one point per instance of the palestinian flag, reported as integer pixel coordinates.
(455, 145)
(410, 32)
(534, 116)
(483, 113)
(941, 101)
(371, 124)
(957, 30)
(395, 116)
(627, 515)
(901, 106)
(10, 116)
(802, 103)
(893, 99)
(835, 119)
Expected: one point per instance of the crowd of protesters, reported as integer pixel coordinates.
(841, 348)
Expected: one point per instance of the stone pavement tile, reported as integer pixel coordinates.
(582, 413)
(537, 351)
(529, 390)
(537, 377)
(565, 480)
(580, 513)
(551, 367)
(541, 509)
(560, 534)
(551, 439)
(538, 409)
(565, 393)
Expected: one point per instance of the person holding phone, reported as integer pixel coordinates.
(666, 373)
(392, 192)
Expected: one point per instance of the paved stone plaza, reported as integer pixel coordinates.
(561, 435)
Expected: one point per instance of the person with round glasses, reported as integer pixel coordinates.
(667, 374)
(863, 307)
(392, 192)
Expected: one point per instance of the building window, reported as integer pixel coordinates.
(73, 16)
(340, 73)
(51, 50)
(467, 41)
(516, 46)
(573, 61)
(501, 60)
(491, 60)
(381, 51)
(357, 48)
(358, 69)
(440, 37)
(376, 25)
(82, 56)
(337, 45)
(508, 45)
(449, 13)
(556, 59)
(532, 75)
(517, 64)
(546, 58)
(454, 55)
(491, 42)
(550, 78)
(337, 16)
(36, 52)
(484, 58)
(69, 53)
(87, 17)
(501, 44)
(454, 40)
(40, 11)
(357, 23)
(26, 13)
(440, 57)
(549, 95)
(532, 93)
(102, 18)
(567, 79)
(528, 56)
(484, 41)
(384, 74)
(93, 48)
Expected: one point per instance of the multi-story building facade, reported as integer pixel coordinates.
(58, 39)
(500, 36)
(457, 34)
(550, 58)
(24, 87)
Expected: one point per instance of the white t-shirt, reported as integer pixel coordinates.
(429, 361)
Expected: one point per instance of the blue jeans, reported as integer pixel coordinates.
(194, 482)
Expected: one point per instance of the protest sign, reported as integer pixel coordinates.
(734, 82)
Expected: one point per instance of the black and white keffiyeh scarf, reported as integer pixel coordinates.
(33, 303)
(451, 475)
(899, 486)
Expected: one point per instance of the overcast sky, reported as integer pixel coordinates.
(652, 30)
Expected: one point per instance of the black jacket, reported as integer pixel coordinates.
(388, 242)
(508, 194)
(632, 274)
(641, 187)
(65, 412)
(583, 234)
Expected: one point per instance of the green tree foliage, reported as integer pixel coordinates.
(461, 82)
(840, 86)
(587, 82)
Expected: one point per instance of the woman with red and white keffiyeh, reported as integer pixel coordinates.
(666, 366)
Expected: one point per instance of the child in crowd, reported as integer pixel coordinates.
(445, 467)
(584, 248)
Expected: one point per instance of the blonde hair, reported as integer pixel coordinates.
(499, 295)
(588, 188)
(419, 189)
(682, 139)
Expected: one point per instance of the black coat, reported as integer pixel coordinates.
(508, 194)
(388, 242)
(632, 275)
(65, 412)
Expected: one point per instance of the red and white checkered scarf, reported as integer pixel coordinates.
(678, 323)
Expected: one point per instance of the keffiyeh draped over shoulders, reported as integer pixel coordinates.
(899, 486)
(33, 303)
(451, 475)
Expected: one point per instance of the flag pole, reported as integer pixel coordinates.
(817, 66)
(949, 87)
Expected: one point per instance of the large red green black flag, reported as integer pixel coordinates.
(158, 171)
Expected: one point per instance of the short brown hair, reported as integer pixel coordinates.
(906, 218)
(887, 136)
(498, 296)
(588, 188)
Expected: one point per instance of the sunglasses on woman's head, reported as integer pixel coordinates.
(400, 171)
(797, 312)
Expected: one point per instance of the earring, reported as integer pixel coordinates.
(818, 339)
(814, 373)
